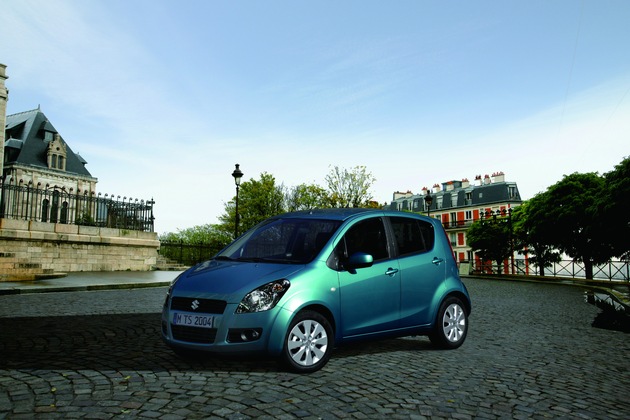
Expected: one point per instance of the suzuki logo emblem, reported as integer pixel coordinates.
(194, 304)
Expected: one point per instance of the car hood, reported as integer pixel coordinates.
(229, 280)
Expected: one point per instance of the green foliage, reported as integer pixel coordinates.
(193, 245)
(584, 215)
(305, 197)
(85, 219)
(614, 209)
(257, 201)
(572, 206)
(533, 233)
(198, 235)
(491, 239)
(261, 199)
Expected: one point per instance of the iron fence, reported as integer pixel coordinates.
(187, 253)
(25, 201)
(612, 270)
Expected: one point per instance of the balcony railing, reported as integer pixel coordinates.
(25, 201)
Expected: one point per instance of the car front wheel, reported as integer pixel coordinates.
(451, 325)
(308, 343)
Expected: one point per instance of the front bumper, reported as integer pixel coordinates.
(229, 332)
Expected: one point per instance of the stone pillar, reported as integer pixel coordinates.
(4, 97)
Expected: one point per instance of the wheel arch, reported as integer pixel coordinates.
(284, 319)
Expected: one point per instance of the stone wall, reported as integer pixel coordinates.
(32, 250)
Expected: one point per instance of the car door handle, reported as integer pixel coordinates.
(437, 260)
(391, 272)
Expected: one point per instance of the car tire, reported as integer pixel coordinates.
(308, 343)
(451, 324)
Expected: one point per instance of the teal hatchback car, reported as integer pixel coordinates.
(299, 284)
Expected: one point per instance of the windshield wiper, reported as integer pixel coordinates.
(223, 258)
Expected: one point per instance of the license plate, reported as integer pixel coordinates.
(192, 320)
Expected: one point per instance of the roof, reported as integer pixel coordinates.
(28, 127)
(472, 195)
(331, 214)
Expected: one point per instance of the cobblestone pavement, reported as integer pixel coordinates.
(531, 353)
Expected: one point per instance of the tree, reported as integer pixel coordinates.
(571, 206)
(533, 233)
(198, 235)
(349, 188)
(490, 238)
(192, 245)
(257, 200)
(614, 209)
(305, 197)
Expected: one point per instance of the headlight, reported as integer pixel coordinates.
(264, 298)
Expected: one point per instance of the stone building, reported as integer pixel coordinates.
(36, 154)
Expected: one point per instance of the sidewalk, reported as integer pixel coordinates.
(91, 281)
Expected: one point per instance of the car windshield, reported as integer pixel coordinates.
(290, 241)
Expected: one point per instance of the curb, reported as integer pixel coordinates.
(52, 289)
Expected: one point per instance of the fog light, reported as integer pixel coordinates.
(244, 335)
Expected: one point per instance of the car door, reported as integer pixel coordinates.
(369, 297)
(422, 268)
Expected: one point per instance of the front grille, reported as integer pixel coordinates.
(208, 306)
(194, 334)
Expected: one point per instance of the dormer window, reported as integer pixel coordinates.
(57, 153)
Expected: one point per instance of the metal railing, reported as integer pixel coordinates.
(188, 254)
(25, 201)
(612, 270)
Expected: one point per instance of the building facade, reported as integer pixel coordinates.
(36, 154)
(458, 204)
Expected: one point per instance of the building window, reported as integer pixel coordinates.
(469, 198)
(512, 192)
(57, 154)
(469, 215)
(453, 238)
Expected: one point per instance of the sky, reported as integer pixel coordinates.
(164, 97)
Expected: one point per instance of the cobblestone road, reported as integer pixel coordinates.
(531, 353)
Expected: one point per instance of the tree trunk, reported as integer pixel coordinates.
(588, 269)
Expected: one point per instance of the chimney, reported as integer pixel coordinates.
(498, 177)
(436, 188)
(465, 183)
(486, 179)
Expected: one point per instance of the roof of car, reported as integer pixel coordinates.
(333, 214)
(337, 213)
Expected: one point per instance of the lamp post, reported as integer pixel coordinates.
(429, 200)
(237, 174)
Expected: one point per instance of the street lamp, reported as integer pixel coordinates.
(429, 200)
(237, 174)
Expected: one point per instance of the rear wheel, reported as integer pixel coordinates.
(451, 325)
(308, 343)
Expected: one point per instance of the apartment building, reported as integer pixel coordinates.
(457, 204)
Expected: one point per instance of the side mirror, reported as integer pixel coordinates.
(359, 260)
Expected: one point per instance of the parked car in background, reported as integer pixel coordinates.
(299, 284)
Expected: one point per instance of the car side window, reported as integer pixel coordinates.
(367, 236)
(413, 236)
